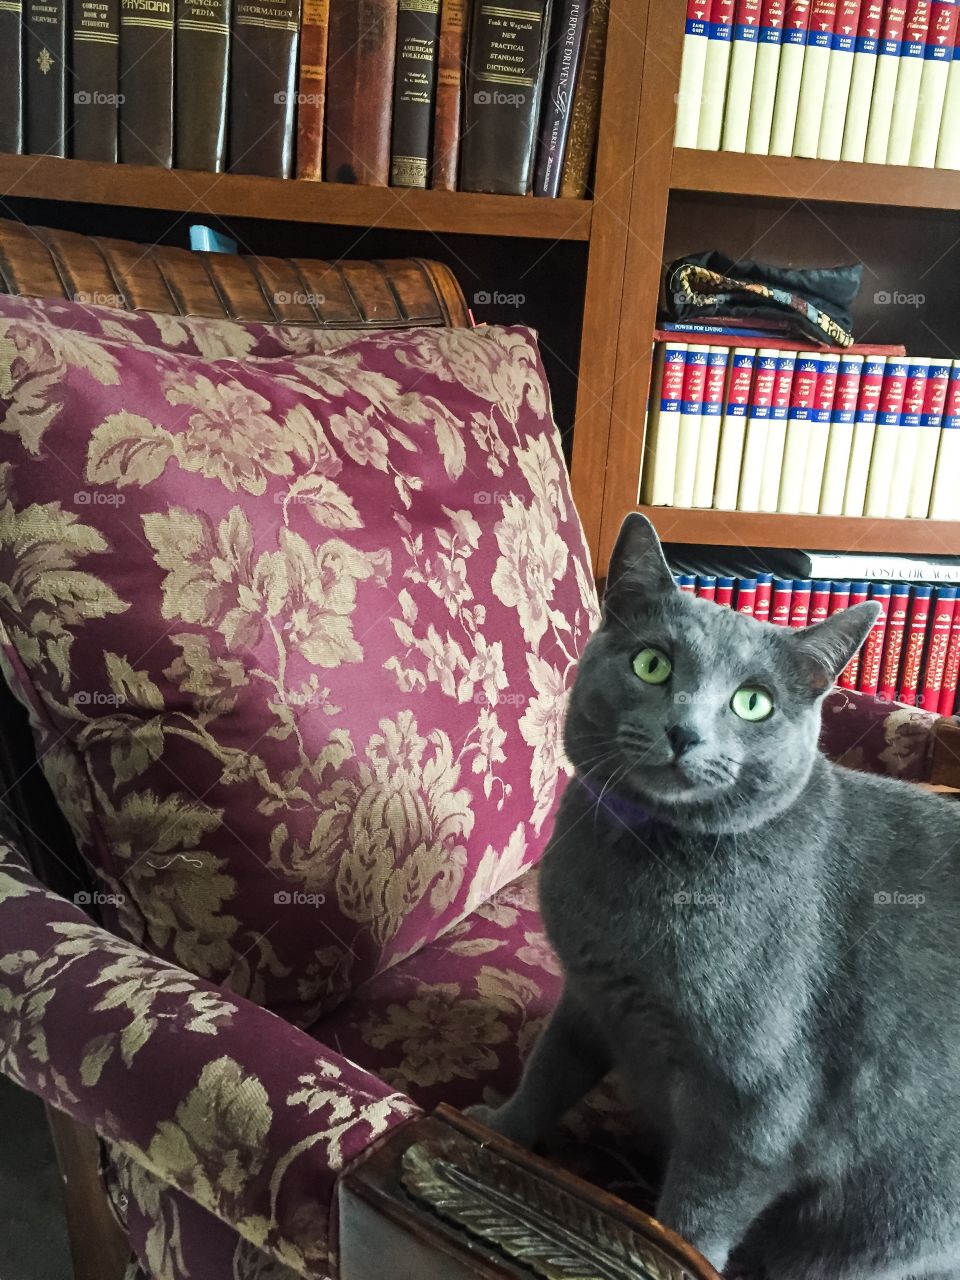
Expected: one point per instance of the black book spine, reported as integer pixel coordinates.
(45, 59)
(146, 82)
(414, 91)
(566, 48)
(95, 45)
(11, 77)
(202, 60)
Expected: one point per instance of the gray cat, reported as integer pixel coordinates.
(763, 943)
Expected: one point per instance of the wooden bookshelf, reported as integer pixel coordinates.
(815, 533)
(236, 195)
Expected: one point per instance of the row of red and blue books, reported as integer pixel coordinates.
(748, 423)
(858, 80)
(912, 654)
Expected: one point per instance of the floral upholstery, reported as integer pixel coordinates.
(296, 663)
(312, 713)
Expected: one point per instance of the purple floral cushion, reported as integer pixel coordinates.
(296, 635)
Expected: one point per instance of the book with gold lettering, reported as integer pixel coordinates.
(146, 82)
(203, 55)
(45, 66)
(446, 124)
(361, 65)
(585, 121)
(263, 87)
(312, 88)
(563, 66)
(414, 91)
(95, 63)
(11, 77)
(505, 61)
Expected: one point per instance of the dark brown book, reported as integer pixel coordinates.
(360, 71)
(504, 82)
(414, 91)
(45, 76)
(446, 123)
(263, 87)
(312, 88)
(202, 59)
(11, 77)
(584, 123)
(566, 46)
(146, 82)
(95, 63)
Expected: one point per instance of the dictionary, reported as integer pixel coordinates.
(202, 57)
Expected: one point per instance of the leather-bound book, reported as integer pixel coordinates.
(146, 82)
(360, 72)
(563, 66)
(446, 123)
(45, 75)
(312, 89)
(202, 61)
(11, 77)
(582, 142)
(504, 84)
(263, 87)
(414, 91)
(95, 62)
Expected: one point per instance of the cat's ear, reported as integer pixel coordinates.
(637, 570)
(827, 647)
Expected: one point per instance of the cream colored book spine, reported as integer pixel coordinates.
(861, 85)
(945, 499)
(743, 64)
(909, 76)
(714, 396)
(777, 432)
(730, 459)
(864, 429)
(884, 455)
(765, 75)
(908, 437)
(660, 446)
(941, 40)
(715, 71)
(885, 83)
(837, 92)
(758, 423)
(948, 145)
(803, 396)
(813, 85)
(818, 437)
(796, 25)
(691, 415)
(928, 435)
(690, 92)
(840, 443)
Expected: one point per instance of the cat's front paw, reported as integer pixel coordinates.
(504, 1121)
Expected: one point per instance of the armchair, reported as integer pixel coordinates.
(239, 1144)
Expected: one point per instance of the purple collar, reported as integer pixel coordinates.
(626, 811)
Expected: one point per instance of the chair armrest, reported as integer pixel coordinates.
(875, 736)
(234, 1107)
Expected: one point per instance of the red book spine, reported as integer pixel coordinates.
(694, 381)
(944, 607)
(747, 596)
(819, 602)
(851, 672)
(782, 599)
(724, 594)
(823, 18)
(800, 604)
(916, 25)
(894, 22)
(839, 597)
(761, 605)
(707, 587)
(951, 667)
(871, 657)
(913, 645)
(893, 644)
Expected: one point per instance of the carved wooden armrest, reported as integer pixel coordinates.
(945, 758)
(444, 1197)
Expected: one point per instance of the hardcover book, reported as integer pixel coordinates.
(202, 58)
(938, 642)
(913, 644)
(893, 641)
(691, 413)
(263, 84)
(849, 678)
(885, 82)
(813, 84)
(941, 39)
(927, 434)
(765, 77)
(715, 71)
(450, 65)
(777, 432)
(95, 62)
(795, 30)
(909, 76)
(505, 61)
(802, 399)
(312, 89)
(800, 604)
(764, 597)
(663, 426)
(837, 92)
(713, 398)
(585, 121)
(146, 82)
(854, 130)
(945, 499)
(360, 71)
(743, 65)
(865, 425)
(414, 91)
(840, 443)
(872, 652)
(733, 430)
(948, 145)
(45, 64)
(566, 50)
(951, 667)
(758, 421)
(781, 602)
(908, 437)
(690, 92)
(818, 434)
(746, 596)
(11, 77)
(886, 435)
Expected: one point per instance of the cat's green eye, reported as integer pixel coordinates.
(751, 703)
(652, 666)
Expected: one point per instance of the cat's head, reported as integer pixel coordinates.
(707, 717)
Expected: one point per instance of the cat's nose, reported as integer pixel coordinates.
(682, 738)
